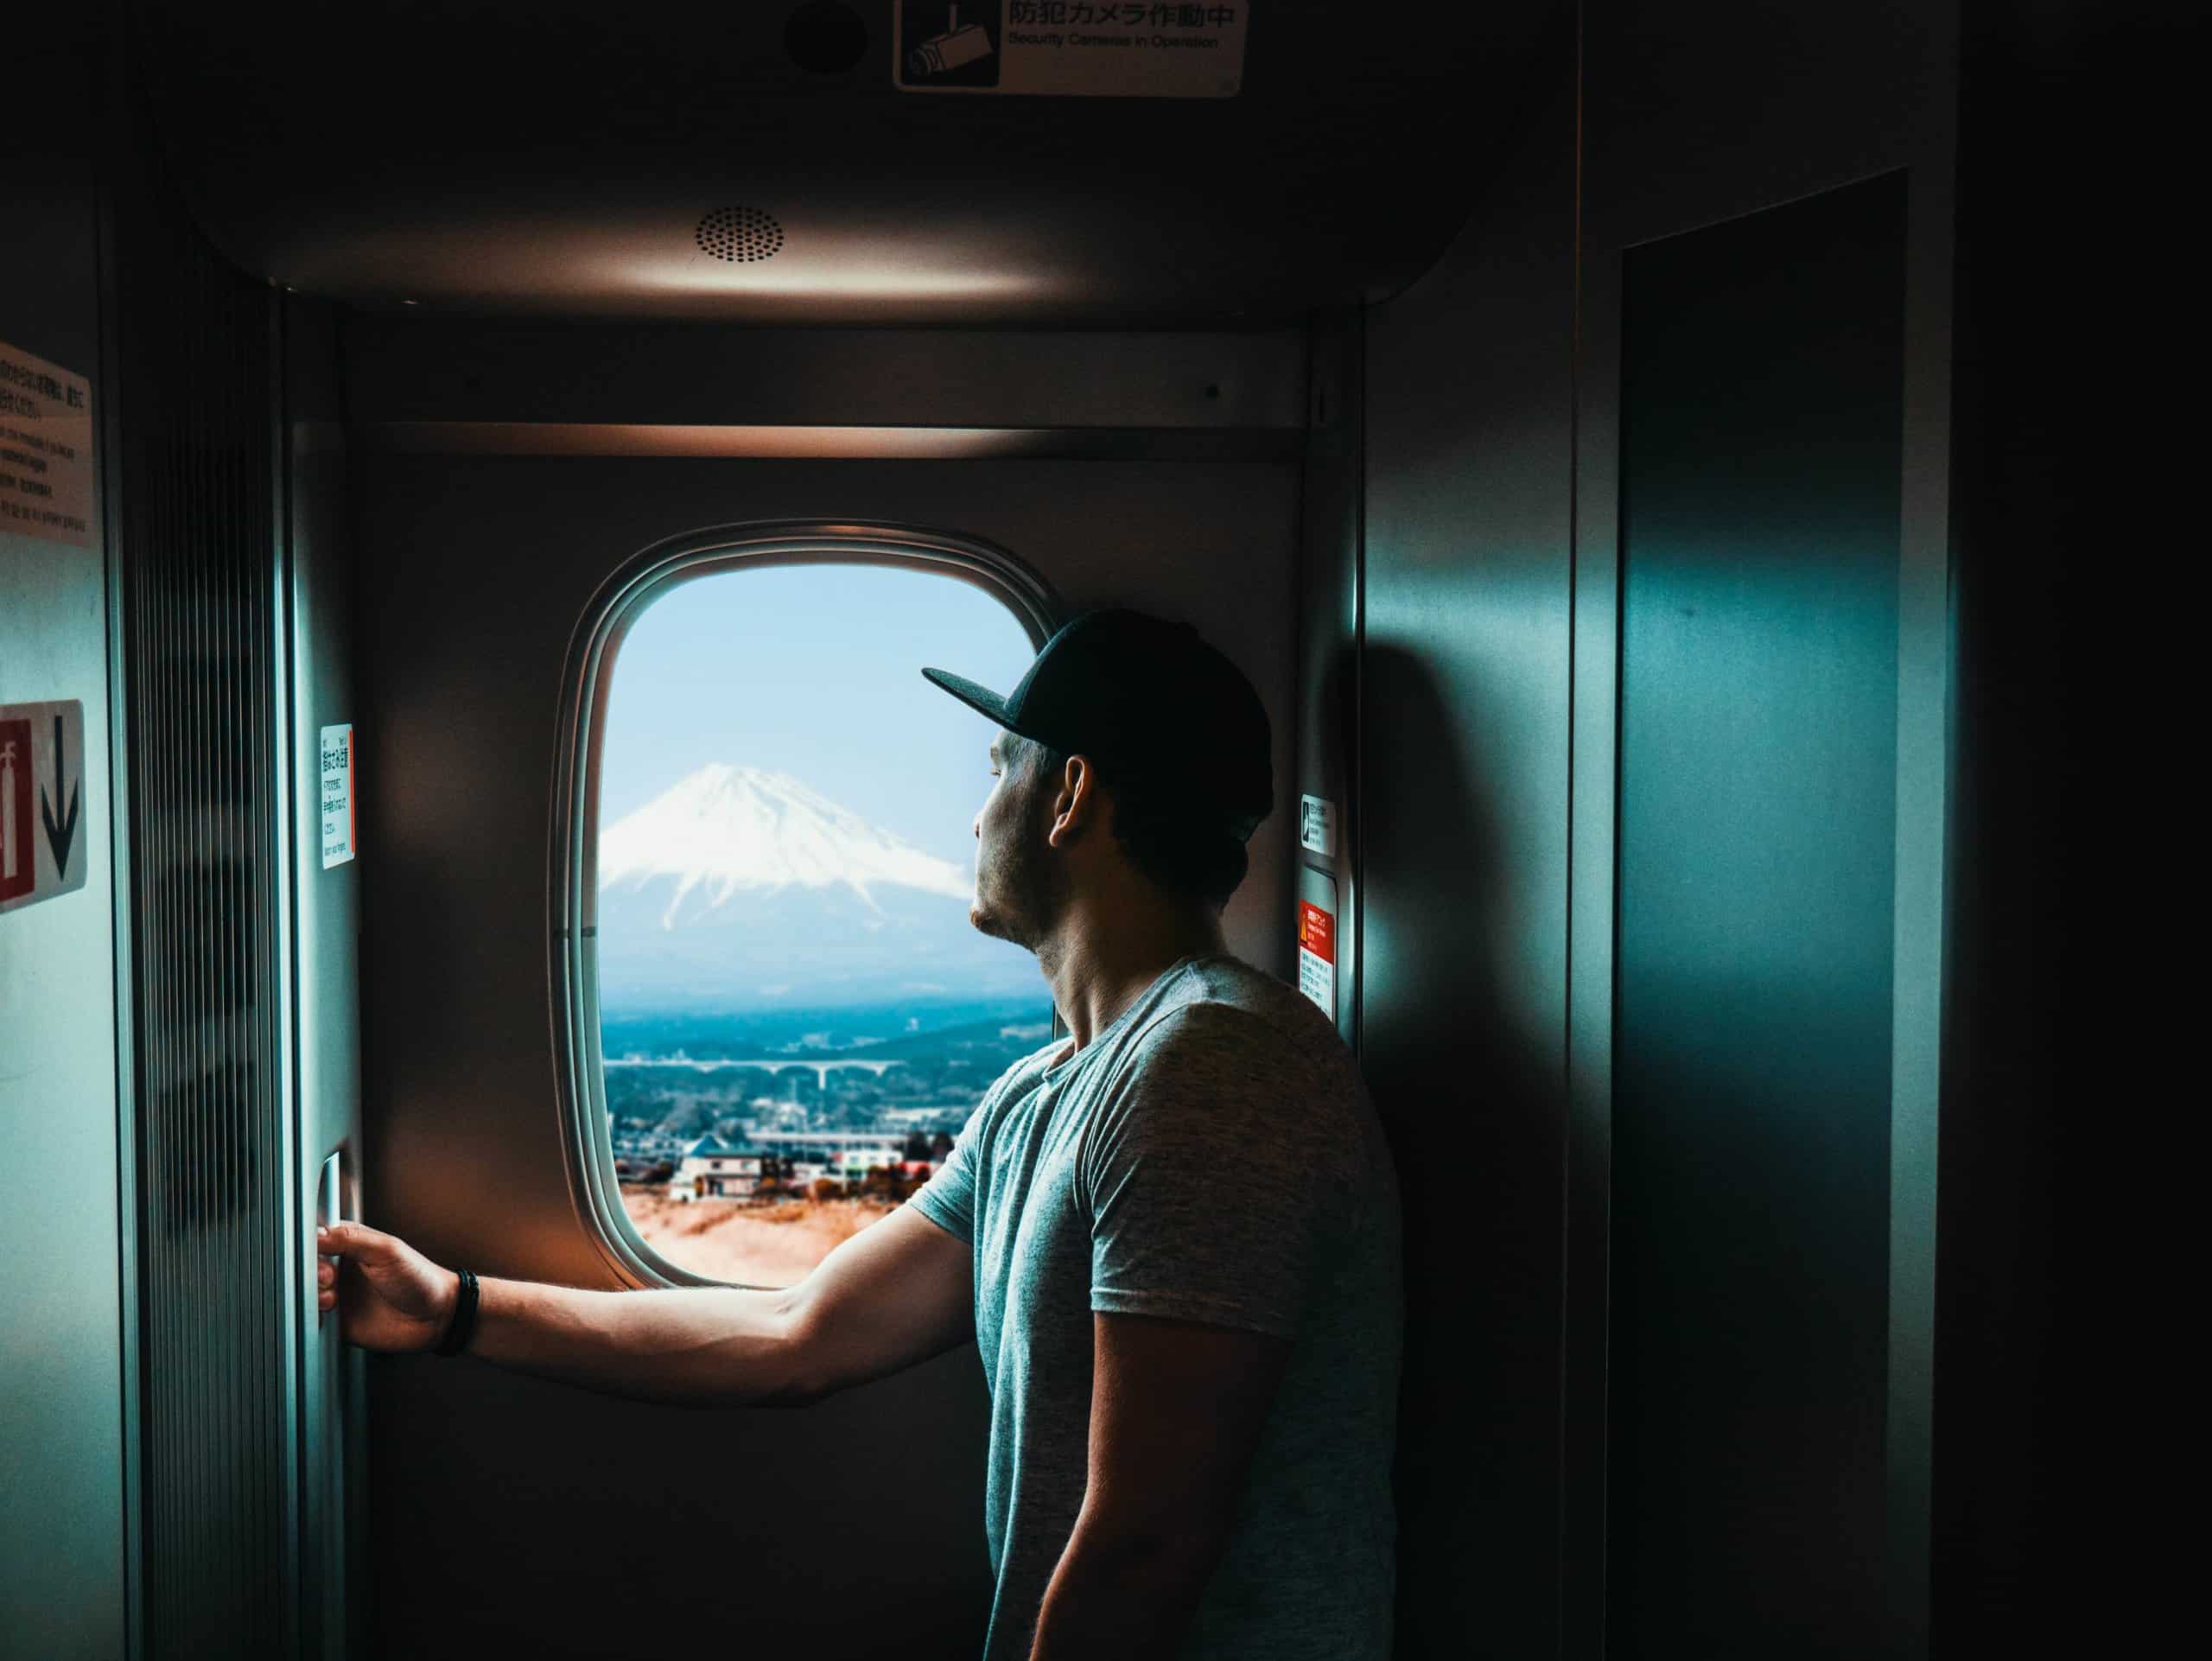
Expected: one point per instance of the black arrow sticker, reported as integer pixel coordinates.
(58, 836)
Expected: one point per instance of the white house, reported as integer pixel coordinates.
(712, 1169)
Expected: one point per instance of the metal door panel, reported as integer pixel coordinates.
(325, 975)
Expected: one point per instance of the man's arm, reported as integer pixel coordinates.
(897, 1293)
(1177, 1408)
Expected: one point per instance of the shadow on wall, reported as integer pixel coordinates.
(1332, 719)
(1472, 1109)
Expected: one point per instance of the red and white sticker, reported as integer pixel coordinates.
(45, 845)
(1317, 956)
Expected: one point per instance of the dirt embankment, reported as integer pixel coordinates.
(752, 1245)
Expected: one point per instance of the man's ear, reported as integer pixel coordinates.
(1075, 804)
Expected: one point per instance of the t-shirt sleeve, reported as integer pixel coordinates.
(1213, 1178)
(948, 1198)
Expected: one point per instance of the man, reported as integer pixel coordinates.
(1175, 1236)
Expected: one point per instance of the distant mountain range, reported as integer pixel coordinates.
(740, 888)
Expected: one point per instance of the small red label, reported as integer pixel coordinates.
(1317, 931)
(18, 853)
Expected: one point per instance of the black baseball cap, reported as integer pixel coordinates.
(1143, 698)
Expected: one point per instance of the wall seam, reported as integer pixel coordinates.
(1564, 1330)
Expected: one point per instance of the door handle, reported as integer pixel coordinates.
(330, 1207)
(328, 1426)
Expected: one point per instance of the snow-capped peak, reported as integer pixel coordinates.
(727, 829)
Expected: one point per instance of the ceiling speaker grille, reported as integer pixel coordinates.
(740, 234)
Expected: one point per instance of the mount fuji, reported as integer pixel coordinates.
(744, 888)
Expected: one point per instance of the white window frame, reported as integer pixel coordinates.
(587, 1142)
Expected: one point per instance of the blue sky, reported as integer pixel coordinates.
(816, 671)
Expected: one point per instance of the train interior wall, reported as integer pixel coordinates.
(669, 1498)
(1461, 536)
(63, 1357)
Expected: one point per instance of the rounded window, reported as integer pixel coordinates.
(778, 1017)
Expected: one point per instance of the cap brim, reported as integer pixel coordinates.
(980, 699)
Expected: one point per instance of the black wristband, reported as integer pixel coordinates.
(464, 1317)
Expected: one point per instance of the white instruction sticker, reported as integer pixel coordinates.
(1070, 48)
(1317, 824)
(337, 772)
(46, 449)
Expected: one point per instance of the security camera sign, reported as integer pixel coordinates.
(1070, 48)
(44, 844)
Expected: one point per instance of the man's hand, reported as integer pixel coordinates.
(898, 1292)
(389, 1296)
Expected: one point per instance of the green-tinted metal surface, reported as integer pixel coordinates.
(209, 917)
(1761, 399)
(1461, 896)
(64, 1504)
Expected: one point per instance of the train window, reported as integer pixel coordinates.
(793, 1016)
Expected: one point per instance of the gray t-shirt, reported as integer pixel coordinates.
(1211, 1155)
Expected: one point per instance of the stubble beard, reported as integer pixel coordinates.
(1018, 891)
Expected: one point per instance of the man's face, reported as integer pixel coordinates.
(1020, 886)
